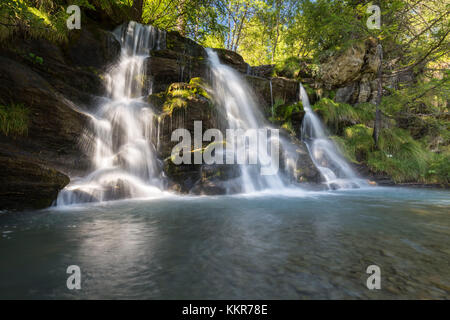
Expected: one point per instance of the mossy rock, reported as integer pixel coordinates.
(180, 95)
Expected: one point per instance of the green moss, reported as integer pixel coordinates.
(288, 126)
(14, 120)
(178, 94)
(35, 59)
(360, 140)
(174, 103)
(200, 87)
(282, 112)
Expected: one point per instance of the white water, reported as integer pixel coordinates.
(123, 158)
(124, 162)
(234, 96)
(335, 170)
(271, 97)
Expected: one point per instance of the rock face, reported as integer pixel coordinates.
(54, 83)
(264, 71)
(344, 68)
(352, 73)
(284, 91)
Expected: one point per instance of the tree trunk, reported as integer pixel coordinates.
(277, 36)
(238, 37)
(377, 123)
(181, 20)
(136, 10)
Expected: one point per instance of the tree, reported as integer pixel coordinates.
(136, 10)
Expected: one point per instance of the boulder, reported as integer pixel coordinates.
(26, 184)
(352, 73)
(344, 67)
(233, 60)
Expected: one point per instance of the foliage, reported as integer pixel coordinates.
(14, 120)
(35, 19)
(336, 114)
(289, 67)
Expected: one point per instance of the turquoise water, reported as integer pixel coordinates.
(303, 245)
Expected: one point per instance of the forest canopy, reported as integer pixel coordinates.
(262, 31)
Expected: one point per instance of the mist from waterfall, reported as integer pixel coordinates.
(232, 93)
(331, 164)
(123, 158)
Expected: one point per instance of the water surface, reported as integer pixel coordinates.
(288, 246)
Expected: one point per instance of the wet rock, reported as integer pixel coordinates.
(296, 162)
(74, 69)
(283, 90)
(177, 43)
(181, 112)
(264, 71)
(166, 67)
(54, 128)
(233, 60)
(218, 179)
(92, 48)
(26, 184)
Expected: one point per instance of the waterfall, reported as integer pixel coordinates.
(123, 159)
(334, 169)
(271, 97)
(233, 94)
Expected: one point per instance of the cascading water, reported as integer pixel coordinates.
(325, 155)
(271, 97)
(123, 158)
(234, 96)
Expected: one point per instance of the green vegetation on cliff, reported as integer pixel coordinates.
(14, 120)
(411, 149)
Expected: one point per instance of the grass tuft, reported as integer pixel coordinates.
(14, 120)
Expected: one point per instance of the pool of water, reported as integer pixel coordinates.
(299, 245)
